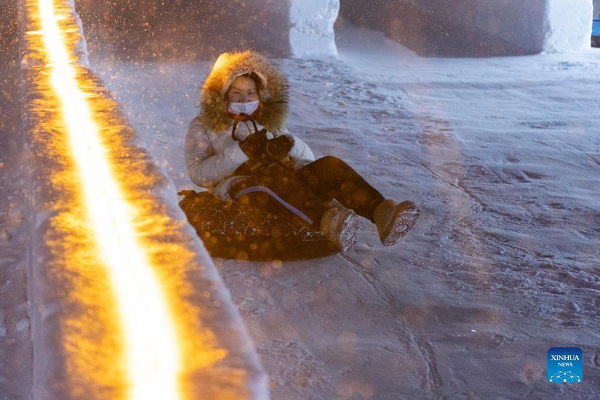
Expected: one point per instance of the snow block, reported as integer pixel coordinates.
(568, 25)
(311, 32)
(80, 351)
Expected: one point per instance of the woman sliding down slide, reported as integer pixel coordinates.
(238, 148)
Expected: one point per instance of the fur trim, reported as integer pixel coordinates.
(273, 108)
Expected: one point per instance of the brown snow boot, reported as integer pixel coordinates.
(394, 220)
(339, 225)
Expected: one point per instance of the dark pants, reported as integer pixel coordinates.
(307, 191)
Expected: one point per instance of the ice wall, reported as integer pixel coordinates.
(520, 23)
(187, 30)
(466, 28)
(311, 31)
(567, 25)
(477, 28)
(458, 28)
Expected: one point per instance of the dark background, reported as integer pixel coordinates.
(184, 30)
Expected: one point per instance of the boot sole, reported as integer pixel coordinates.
(349, 233)
(404, 221)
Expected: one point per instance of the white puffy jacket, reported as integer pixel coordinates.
(212, 158)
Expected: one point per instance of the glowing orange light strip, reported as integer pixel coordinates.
(153, 357)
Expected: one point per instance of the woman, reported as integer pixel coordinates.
(239, 149)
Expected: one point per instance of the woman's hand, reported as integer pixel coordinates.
(255, 144)
(260, 150)
(279, 148)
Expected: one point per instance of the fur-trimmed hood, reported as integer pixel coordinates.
(273, 108)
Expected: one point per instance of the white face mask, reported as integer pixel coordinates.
(243, 108)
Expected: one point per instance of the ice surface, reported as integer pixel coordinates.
(502, 155)
(82, 48)
(16, 351)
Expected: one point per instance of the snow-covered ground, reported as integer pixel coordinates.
(501, 155)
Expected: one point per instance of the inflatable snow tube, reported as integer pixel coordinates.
(234, 230)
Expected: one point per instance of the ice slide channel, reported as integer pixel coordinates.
(125, 303)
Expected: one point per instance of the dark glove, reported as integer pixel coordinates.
(279, 147)
(255, 144)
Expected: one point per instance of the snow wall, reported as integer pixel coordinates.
(477, 28)
(68, 307)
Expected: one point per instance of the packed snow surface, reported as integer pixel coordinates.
(502, 156)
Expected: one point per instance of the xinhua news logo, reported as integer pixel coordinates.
(565, 364)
